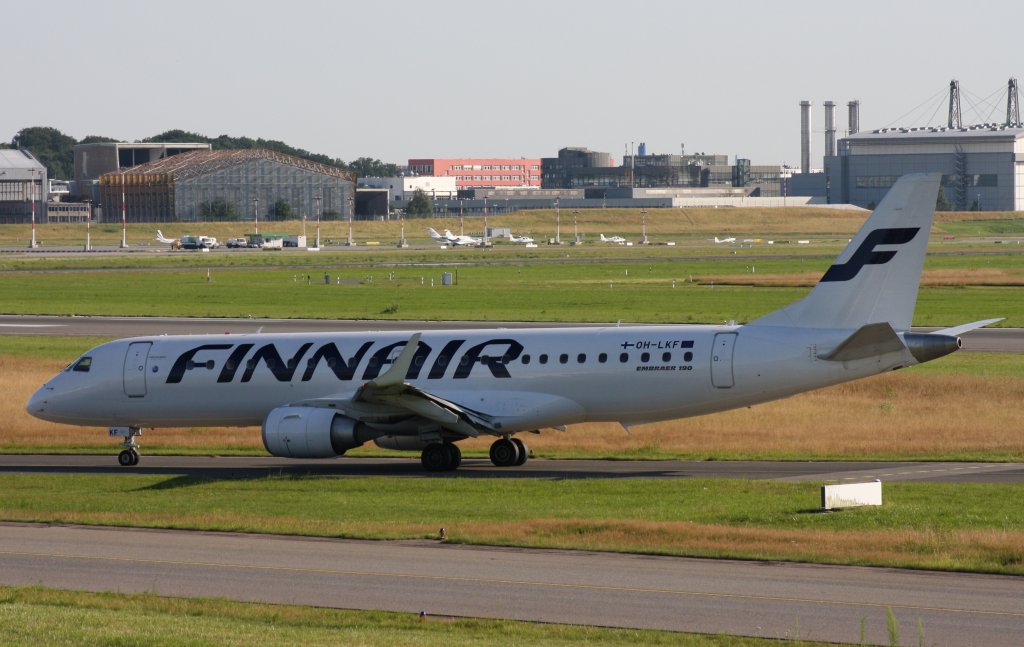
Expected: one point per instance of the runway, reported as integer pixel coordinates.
(989, 340)
(224, 467)
(772, 600)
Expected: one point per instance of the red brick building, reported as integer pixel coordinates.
(475, 173)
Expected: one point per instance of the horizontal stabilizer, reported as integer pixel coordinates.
(961, 329)
(868, 341)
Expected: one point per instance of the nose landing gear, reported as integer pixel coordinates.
(130, 454)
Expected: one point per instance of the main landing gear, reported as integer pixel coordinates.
(509, 452)
(441, 457)
(130, 454)
(445, 457)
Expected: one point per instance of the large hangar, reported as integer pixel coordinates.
(982, 166)
(227, 185)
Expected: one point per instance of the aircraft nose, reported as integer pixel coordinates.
(37, 404)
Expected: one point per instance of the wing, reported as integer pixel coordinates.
(389, 396)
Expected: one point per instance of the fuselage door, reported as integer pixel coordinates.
(135, 368)
(721, 360)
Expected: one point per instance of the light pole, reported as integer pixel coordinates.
(256, 213)
(575, 230)
(351, 210)
(401, 240)
(32, 198)
(318, 199)
(88, 227)
(558, 224)
(124, 215)
(643, 214)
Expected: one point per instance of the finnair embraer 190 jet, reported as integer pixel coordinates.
(319, 395)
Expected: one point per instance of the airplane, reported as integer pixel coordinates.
(730, 239)
(160, 238)
(319, 395)
(520, 239)
(462, 240)
(614, 239)
(451, 239)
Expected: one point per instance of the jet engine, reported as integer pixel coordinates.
(312, 432)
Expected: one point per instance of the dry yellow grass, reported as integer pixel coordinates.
(901, 414)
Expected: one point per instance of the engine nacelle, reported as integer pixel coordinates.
(311, 432)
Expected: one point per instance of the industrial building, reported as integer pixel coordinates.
(982, 165)
(224, 185)
(23, 187)
(94, 160)
(582, 168)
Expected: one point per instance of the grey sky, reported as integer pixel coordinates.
(472, 78)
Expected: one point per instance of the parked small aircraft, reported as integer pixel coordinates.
(730, 239)
(613, 239)
(160, 238)
(520, 239)
(448, 238)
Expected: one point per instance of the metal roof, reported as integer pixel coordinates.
(13, 158)
(988, 131)
(194, 164)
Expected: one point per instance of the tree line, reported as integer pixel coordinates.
(54, 150)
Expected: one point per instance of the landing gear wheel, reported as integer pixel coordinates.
(524, 451)
(441, 457)
(455, 455)
(504, 453)
(130, 454)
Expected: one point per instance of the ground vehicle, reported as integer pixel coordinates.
(237, 242)
(209, 242)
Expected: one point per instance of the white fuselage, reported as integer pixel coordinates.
(524, 379)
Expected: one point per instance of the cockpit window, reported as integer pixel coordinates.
(82, 365)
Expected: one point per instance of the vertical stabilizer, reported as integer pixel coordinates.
(876, 277)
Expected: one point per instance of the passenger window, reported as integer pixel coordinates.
(623, 357)
(666, 357)
(582, 357)
(603, 357)
(544, 358)
(563, 358)
(526, 359)
(687, 356)
(83, 365)
(645, 357)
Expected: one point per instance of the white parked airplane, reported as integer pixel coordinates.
(730, 239)
(462, 240)
(520, 239)
(613, 239)
(319, 395)
(160, 238)
(451, 239)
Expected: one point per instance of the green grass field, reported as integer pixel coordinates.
(656, 291)
(922, 525)
(27, 614)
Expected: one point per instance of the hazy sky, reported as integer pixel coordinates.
(473, 78)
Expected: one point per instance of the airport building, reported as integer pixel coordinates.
(227, 185)
(982, 166)
(23, 187)
(472, 173)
